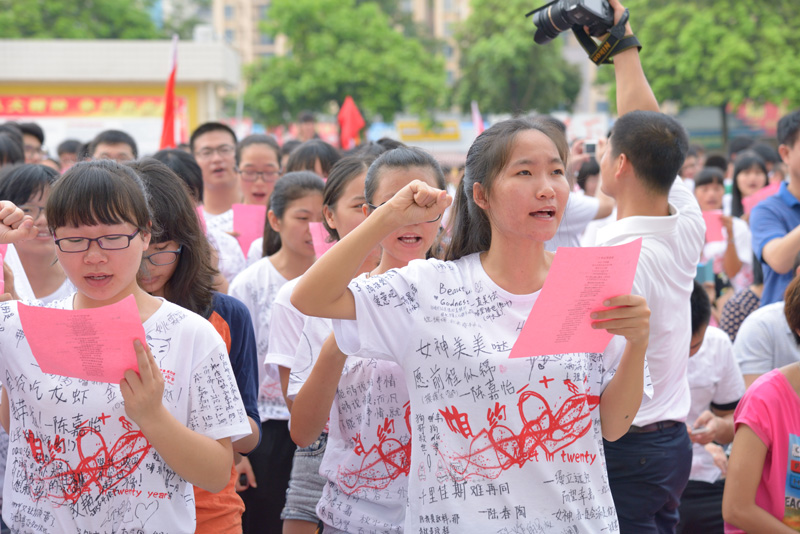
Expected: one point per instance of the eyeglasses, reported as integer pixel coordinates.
(106, 242)
(164, 257)
(31, 150)
(222, 150)
(33, 211)
(268, 176)
(374, 207)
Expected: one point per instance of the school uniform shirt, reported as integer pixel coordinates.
(231, 257)
(257, 287)
(580, 211)
(284, 339)
(77, 463)
(714, 251)
(765, 341)
(23, 287)
(716, 382)
(498, 445)
(771, 408)
(671, 248)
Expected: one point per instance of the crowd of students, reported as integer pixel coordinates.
(369, 390)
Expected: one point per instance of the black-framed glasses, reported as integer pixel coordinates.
(164, 257)
(106, 242)
(373, 207)
(222, 150)
(33, 211)
(268, 176)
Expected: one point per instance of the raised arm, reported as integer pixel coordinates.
(633, 90)
(322, 291)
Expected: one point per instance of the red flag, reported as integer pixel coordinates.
(477, 120)
(168, 128)
(351, 122)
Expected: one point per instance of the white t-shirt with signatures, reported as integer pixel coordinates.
(77, 463)
(257, 286)
(498, 445)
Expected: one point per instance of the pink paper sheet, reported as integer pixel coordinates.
(2, 274)
(580, 279)
(749, 202)
(248, 222)
(92, 344)
(320, 236)
(201, 214)
(713, 219)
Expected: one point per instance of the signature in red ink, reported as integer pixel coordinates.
(99, 467)
(382, 463)
(498, 448)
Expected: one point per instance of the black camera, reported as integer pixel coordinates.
(561, 15)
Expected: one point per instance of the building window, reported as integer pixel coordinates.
(263, 12)
(450, 77)
(447, 50)
(229, 12)
(265, 39)
(230, 36)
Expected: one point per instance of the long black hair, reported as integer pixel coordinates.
(174, 210)
(289, 187)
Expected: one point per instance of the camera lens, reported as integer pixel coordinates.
(550, 22)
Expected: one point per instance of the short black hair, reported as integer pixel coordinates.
(655, 144)
(304, 157)
(306, 116)
(184, 165)
(589, 168)
(701, 307)
(788, 128)
(70, 146)
(767, 152)
(257, 139)
(709, 175)
(113, 137)
(717, 161)
(11, 149)
(746, 160)
(13, 131)
(210, 127)
(31, 128)
(20, 183)
(738, 144)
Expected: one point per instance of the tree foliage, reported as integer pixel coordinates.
(340, 48)
(504, 70)
(710, 52)
(70, 19)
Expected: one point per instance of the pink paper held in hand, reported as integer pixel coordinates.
(751, 201)
(92, 344)
(713, 219)
(579, 280)
(320, 236)
(248, 222)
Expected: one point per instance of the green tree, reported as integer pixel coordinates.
(711, 52)
(504, 70)
(69, 19)
(338, 48)
(185, 15)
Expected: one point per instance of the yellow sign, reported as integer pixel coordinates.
(411, 131)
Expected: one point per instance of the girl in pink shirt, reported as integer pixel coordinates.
(762, 493)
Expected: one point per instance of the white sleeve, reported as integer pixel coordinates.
(285, 329)
(731, 387)
(215, 405)
(386, 307)
(686, 203)
(611, 358)
(743, 238)
(753, 348)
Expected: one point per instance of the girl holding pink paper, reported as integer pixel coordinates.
(728, 238)
(497, 442)
(295, 202)
(91, 456)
